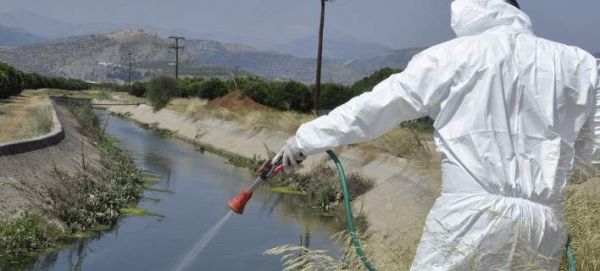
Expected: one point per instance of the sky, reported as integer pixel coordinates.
(395, 23)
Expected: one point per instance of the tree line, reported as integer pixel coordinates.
(13, 81)
(287, 95)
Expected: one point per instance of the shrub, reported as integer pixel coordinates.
(97, 202)
(22, 235)
(137, 89)
(194, 89)
(160, 91)
(367, 83)
(11, 81)
(211, 89)
(290, 95)
(255, 88)
(334, 95)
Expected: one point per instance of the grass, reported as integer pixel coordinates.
(24, 117)
(583, 220)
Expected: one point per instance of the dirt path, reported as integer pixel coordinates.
(26, 179)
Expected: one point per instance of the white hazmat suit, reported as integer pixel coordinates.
(508, 107)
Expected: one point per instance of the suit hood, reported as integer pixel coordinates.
(472, 17)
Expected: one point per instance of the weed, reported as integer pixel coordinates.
(21, 236)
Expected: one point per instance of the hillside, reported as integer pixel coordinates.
(396, 59)
(102, 57)
(334, 47)
(15, 37)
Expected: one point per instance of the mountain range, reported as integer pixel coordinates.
(334, 47)
(98, 51)
(16, 37)
(101, 57)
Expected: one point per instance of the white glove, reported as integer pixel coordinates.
(290, 155)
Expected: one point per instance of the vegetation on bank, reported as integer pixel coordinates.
(83, 203)
(13, 82)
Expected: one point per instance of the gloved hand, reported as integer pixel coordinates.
(290, 155)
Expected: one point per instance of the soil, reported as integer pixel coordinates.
(238, 101)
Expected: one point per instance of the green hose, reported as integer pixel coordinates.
(571, 263)
(348, 212)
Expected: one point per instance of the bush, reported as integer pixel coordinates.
(11, 81)
(194, 89)
(369, 82)
(137, 89)
(160, 90)
(255, 88)
(211, 89)
(22, 235)
(290, 95)
(334, 95)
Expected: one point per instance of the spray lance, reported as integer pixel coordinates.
(273, 167)
(267, 170)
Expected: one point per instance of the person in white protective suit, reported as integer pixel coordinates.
(508, 107)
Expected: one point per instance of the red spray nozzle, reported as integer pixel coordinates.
(238, 203)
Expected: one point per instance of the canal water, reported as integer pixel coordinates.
(190, 198)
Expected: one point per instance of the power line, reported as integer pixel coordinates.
(176, 47)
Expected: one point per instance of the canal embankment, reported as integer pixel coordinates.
(49, 193)
(394, 208)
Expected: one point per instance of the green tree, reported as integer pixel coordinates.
(334, 95)
(367, 83)
(160, 91)
(11, 81)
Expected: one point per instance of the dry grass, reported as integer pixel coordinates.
(393, 254)
(85, 94)
(25, 116)
(583, 219)
(287, 122)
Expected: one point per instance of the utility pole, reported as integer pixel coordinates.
(130, 65)
(319, 60)
(177, 47)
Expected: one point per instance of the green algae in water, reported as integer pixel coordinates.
(289, 191)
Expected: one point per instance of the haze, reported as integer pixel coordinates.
(395, 23)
